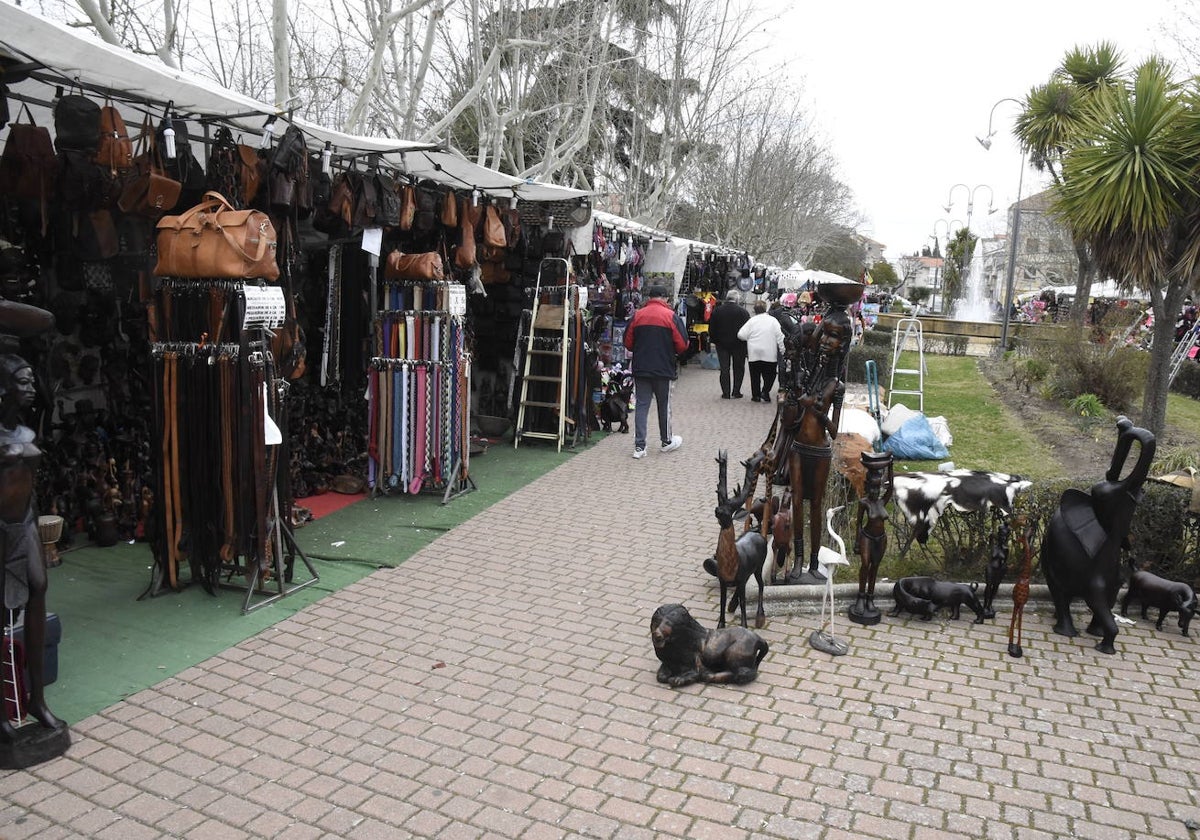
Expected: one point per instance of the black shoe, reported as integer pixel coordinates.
(724, 396)
(737, 396)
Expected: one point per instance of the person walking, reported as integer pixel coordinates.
(723, 326)
(764, 340)
(655, 336)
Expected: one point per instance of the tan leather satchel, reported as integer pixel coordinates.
(214, 240)
(450, 209)
(493, 228)
(464, 254)
(401, 266)
(148, 191)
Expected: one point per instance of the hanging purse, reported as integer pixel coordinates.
(464, 254)
(148, 191)
(408, 206)
(214, 240)
(419, 267)
(493, 227)
(450, 209)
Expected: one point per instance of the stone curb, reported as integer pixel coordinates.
(784, 600)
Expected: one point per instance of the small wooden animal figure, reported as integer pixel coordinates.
(737, 559)
(924, 596)
(1168, 595)
(690, 653)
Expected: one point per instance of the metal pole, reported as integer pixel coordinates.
(1012, 257)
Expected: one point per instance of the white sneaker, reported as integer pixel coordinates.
(676, 442)
(639, 453)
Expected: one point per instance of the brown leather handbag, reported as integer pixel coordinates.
(493, 228)
(464, 255)
(401, 266)
(214, 240)
(148, 191)
(450, 209)
(408, 206)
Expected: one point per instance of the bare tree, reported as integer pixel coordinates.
(767, 183)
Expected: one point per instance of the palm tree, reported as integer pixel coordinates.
(1129, 188)
(1052, 115)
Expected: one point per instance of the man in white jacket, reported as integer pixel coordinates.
(764, 343)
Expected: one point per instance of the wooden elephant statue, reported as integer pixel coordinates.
(1081, 550)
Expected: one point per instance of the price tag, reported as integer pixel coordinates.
(372, 240)
(264, 307)
(457, 304)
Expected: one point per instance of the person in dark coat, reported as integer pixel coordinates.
(655, 336)
(723, 326)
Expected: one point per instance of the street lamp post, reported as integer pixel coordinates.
(970, 199)
(1012, 258)
(986, 142)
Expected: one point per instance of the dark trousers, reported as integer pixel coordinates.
(732, 361)
(762, 378)
(646, 388)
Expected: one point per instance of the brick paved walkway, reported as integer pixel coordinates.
(501, 684)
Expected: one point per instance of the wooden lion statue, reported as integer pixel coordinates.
(689, 653)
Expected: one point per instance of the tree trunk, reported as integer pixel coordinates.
(1083, 284)
(282, 53)
(1165, 305)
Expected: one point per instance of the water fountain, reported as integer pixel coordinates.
(974, 305)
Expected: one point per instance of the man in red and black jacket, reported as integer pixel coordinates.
(655, 336)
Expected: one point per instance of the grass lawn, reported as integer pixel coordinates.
(986, 435)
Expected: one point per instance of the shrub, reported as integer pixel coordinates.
(857, 364)
(1080, 366)
(1175, 459)
(1165, 538)
(1187, 381)
(947, 345)
(1087, 405)
(1030, 372)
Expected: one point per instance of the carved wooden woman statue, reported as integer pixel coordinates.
(809, 416)
(23, 584)
(872, 534)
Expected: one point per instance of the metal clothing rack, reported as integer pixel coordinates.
(276, 537)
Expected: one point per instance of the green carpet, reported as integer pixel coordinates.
(114, 645)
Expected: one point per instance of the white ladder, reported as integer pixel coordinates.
(908, 337)
(1190, 339)
(544, 383)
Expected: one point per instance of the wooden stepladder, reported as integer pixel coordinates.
(542, 412)
(908, 338)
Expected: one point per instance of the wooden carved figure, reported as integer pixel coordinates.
(1168, 595)
(997, 567)
(872, 534)
(737, 559)
(808, 422)
(691, 653)
(23, 580)
(1081, 550)
(1020, 593)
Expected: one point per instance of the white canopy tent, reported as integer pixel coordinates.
(67, 58)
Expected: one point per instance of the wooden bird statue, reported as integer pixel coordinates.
(824, 639)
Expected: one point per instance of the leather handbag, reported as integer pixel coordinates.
(493, 228)
(464, 255)
(148, 191)
(418, 267)
(214, 240)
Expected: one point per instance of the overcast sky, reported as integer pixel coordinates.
(901, 88)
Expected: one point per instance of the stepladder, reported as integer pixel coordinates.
(543, 408)
(908, 363)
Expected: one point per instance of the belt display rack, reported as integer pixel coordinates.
(220, 438)
(419, 389)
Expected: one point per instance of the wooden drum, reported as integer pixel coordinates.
(50, 530)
